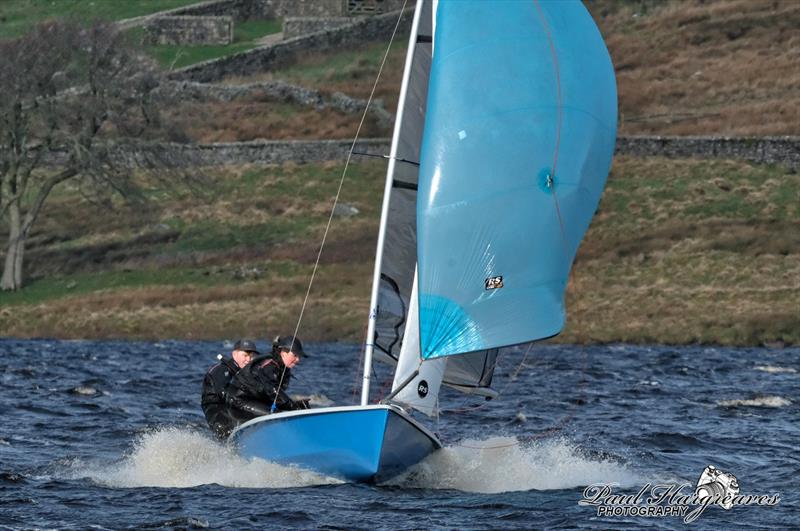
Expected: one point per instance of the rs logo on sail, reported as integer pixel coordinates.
(494, 282)
(422, 389)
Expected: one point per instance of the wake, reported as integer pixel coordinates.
(504, 464)
(182, 458)
(173, 457)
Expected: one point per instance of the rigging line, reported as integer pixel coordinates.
(341, 184)
(387, 157)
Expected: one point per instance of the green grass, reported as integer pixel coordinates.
(52, 288)
(245, 36)
(251, 30)
(18, 16)
(337, 66)
(218, 237)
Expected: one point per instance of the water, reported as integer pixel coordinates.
(110, 435)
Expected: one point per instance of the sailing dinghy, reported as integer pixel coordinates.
(505, 132)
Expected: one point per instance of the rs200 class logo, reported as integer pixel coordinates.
(422, 389)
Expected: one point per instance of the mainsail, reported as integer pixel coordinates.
(519, 133)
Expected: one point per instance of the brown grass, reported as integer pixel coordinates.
(694, 67)
(241, 121)
(680, 251)
(684, 67)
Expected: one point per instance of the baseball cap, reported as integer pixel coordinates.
(290, 342)
(246, 345)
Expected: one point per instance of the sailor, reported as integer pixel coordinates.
(216, 380)
(260, 387)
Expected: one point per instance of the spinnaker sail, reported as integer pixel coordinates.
(519, 134)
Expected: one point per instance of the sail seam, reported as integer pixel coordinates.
(559, 121)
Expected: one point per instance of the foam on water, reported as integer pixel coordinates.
(761, 401)
(503, 464)
(180, 458)
(777, 370)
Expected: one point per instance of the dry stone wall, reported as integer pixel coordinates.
(761, 150)
(373, 7)
(279, 91)
(237, 153)
(240, 10)
(298, 26)
(181, 30)
(783, 151)
(273, 56)
(247, 9)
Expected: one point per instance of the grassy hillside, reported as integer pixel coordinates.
(17, 16)
(684, 67)
(688, 67)
(245, 37)
(681, 251)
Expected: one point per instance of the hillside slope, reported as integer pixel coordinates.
(680, 251)
(684, 67)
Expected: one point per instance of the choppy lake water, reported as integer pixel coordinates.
(110, 435)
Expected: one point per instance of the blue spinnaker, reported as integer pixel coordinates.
(519, 134)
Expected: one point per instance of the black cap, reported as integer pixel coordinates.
(289, 342)
(246, 345)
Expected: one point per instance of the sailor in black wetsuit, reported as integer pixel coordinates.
(217, 378)
(260, 387)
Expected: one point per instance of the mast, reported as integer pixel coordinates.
(373, 305)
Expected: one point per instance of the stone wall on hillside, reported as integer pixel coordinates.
(279, 91)
(304, 8)
(240, 10)
(247, 9)
(237, 153)
(373, 7)
(298, 26)
(270, 57)
(783, 151)
(761, 150)
(189, 30)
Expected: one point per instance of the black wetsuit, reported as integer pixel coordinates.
(252, 391)
(214, 400)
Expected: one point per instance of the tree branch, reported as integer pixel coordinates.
(44, 191)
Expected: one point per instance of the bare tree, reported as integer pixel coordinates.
(68, 96)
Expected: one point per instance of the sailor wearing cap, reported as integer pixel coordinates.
(213, 399)
(260, 387)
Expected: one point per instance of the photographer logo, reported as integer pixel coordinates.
(714, 487)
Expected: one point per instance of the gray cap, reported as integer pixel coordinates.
(246, 345)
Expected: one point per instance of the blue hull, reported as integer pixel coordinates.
(359, 443)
